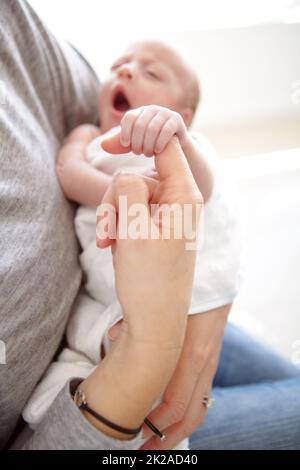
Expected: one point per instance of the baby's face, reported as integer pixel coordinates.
(147, 73)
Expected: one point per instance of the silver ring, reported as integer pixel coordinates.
(207, 401)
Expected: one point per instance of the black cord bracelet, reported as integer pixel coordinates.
(80, 400)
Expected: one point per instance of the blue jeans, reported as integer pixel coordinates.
(257, 399)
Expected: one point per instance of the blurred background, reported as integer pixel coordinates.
(247, 56)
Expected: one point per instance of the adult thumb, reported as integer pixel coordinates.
(112, 144)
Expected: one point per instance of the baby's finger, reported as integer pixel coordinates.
(139, 128)
(169, 129)
(152, 132)
(127, 124)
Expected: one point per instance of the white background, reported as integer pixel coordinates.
(246, 54)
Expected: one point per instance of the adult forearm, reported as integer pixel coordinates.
(153, 279)
(127, 383)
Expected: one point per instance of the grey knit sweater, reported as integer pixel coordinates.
(46, 89)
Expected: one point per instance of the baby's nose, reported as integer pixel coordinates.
(125, 71)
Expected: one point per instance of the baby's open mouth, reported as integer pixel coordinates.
(120, 102)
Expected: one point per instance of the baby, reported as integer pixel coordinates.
(153, 94)
(150, 95)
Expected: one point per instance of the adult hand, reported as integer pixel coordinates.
(181, 410)
(154, 277)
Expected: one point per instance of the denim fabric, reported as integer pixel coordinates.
(257, 399)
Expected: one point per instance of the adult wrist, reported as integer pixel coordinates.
(125, 386)
(160, 329)
(143, 366)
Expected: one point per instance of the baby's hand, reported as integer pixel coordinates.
(149, 129)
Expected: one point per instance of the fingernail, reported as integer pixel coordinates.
(124, 143)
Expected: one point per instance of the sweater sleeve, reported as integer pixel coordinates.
(64, 427)
(47, 89)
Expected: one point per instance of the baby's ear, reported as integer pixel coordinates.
(187, 115)
(112, 144)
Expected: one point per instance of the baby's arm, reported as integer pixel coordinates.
(80, 181)
(200, 167)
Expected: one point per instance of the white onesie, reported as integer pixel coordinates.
(96, 309)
